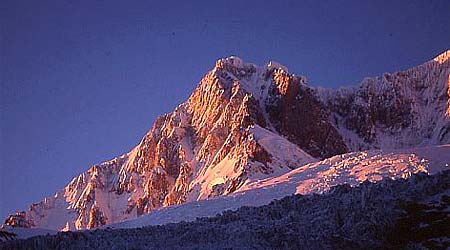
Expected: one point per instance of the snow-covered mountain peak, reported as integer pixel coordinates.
(237, 62)
(232, 73)
(232, 61)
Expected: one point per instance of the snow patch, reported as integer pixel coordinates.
(276, 65)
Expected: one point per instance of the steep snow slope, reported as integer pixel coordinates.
(244, 124)
(351, 168)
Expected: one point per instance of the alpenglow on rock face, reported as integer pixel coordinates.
(245, 123)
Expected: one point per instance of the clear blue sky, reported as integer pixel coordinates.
(82, 81)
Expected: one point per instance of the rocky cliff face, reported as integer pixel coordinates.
(297, 114)
(245, 123)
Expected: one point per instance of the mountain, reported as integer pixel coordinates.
(244, 125)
